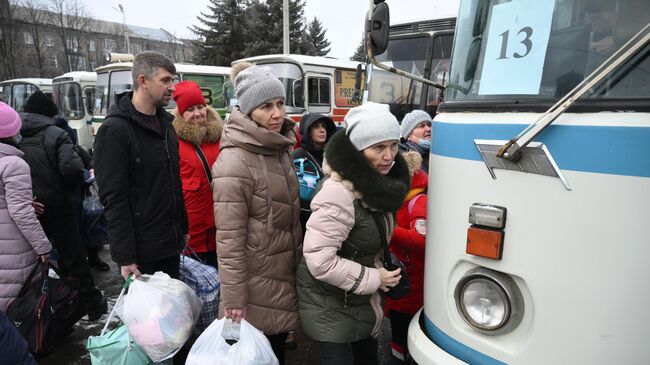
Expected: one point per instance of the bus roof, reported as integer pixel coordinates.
(180, 68)
(301, 59)
(35, 81)
(76, 76)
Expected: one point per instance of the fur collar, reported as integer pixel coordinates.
(196, 134)
(343, 162)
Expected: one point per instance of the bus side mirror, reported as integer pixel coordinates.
(356, 97)
(377, 29)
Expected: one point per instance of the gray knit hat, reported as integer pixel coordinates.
(255, 85)
(412, 120)
(369, 124)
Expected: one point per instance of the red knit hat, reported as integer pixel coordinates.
(187, 94)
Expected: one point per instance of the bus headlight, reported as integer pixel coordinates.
(489, 301)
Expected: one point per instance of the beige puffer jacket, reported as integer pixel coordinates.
(257, 210)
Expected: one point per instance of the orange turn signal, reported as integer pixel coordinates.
(485, 242)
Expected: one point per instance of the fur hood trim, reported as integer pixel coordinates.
(413, 160)
(209, 133)
(344, 163)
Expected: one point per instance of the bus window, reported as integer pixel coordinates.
(212, 87)
(318, 91)
(288, 73)
(5, 94)
(67, 97)
(571, 41)
(101, 94)
(21, 92)
(89, 98)
(121, 82)
(439, 69)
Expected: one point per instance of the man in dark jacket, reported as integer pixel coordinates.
(137, 170)
(56, 172)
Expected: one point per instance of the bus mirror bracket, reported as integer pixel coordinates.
(378, 17)
(356, 97)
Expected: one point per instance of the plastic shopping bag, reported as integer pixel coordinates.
(116, 347)
(160, 313)
(211, 348)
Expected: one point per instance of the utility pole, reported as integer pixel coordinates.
(126, 30)
(285, 27)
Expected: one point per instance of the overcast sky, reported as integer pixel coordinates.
(343, 19)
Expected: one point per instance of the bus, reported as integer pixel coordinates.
(539, 172)
(331, 83)
(15, 92)
(420, 47)
(74, 95)
(115, 78)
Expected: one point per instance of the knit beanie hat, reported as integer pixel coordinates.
(187, 94)
(9, 121)
(412, 120)
(39, 103)
(369, 124)
(255, 85)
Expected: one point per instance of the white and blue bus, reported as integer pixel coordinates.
(537, 246)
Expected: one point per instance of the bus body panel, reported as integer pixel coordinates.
(590, 239)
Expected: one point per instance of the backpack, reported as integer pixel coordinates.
(309, 175)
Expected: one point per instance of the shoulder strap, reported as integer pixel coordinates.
(382, 235)
(204, 160)
(412, 203)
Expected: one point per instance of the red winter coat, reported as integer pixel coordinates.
(408, 245)
(196, 187)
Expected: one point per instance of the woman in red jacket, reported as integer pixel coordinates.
(198, 127)
(407, 243)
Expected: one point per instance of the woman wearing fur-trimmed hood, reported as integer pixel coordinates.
(198, 127)
(341, 276)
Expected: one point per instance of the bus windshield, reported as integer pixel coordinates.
(67, 97)
(503, 52)
(291, 77)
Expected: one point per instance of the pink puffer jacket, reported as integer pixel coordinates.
(22, 239)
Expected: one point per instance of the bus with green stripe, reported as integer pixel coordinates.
(115, 78)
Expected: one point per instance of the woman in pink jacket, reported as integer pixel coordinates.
(341, 276)
(22, 240)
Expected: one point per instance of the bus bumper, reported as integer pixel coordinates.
(423, 350)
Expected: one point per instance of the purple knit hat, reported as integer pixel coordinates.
(9, 121)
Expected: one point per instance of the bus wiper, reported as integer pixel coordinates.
(512, 149)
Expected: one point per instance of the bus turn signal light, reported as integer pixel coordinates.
(485, 242)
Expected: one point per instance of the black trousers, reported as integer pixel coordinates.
(399, 325)
(277, 344)
(362, 352)
(169, 265)
(60, 225)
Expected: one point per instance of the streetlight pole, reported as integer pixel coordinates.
(126, 30)
(285, 27)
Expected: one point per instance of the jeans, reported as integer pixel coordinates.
(277, 344)
(362, 352)
(399, 324)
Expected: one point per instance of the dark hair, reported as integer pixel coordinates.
(147, 63)
(10, 141)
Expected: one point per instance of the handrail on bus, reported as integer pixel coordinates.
(512, 149)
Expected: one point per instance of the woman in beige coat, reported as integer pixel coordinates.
(257, 209)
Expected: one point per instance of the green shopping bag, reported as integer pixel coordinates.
(116, 347)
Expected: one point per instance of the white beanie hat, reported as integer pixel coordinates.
(412, 120)
(369, 124)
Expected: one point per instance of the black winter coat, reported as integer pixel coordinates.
(138, 176)
(56, 169)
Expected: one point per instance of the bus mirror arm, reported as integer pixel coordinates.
(402, 73)
(512, 149)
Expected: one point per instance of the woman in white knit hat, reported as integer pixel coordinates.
(416, 135)
(257, 208)
(341, 276)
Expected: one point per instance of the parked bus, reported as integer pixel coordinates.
(115, 78)
(16, 92)
(539, 171)
(74, 95)
(420, 47)
(330, 83)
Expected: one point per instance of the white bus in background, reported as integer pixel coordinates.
(537, 243)
(74, 95)
(15, 92)
(115, 78)
(330, 83)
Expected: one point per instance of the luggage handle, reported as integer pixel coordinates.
(127, 282)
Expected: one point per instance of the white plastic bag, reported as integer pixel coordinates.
(159, 313)
(211, 348)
